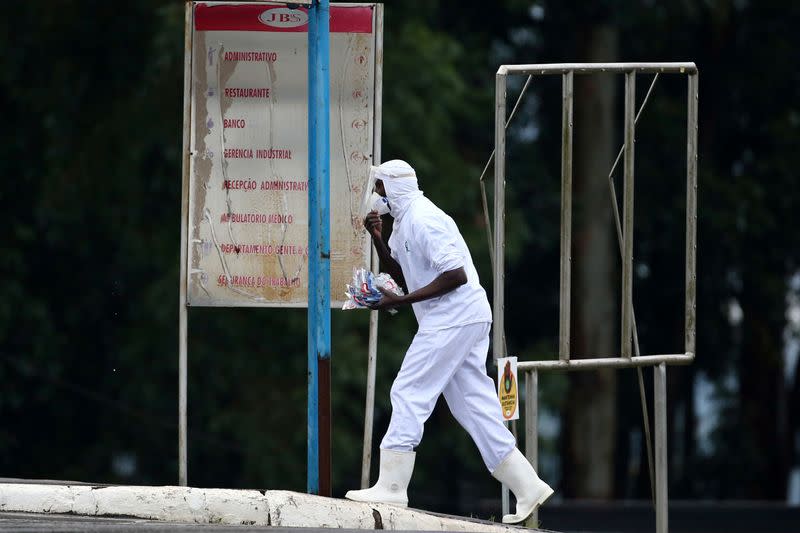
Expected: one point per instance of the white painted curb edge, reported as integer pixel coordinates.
(227, 506)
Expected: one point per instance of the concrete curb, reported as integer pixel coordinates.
(227, 506)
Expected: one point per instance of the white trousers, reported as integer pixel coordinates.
(451, 362)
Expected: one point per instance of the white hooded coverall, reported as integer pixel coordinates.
(448, 353)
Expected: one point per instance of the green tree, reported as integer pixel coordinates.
(88, 325)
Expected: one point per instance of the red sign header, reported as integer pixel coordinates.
(254, 17)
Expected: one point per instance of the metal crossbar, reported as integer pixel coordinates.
(597, 68)
(625, 238)
(607, 362)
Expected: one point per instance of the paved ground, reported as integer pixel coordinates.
(25, 522)
(167, 508)
(58, 523)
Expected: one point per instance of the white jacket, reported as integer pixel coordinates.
(425, 241)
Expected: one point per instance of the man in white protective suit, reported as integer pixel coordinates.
(428, 256)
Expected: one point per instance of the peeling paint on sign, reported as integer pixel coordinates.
(248, 194)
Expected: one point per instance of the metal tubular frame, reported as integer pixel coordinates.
(372, 349)
(691, 213)
(606, 362)
(372, 361)
(498, 346)
(627, 214)
(531, 369)
(532, 430)
(636, 351)
(566, 217)
(596, 68)
(660, 410)
(183, 313)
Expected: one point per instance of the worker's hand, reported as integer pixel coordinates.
(374, 224)
(389, 300)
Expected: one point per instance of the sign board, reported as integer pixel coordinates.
(248, 179)
(507, 387)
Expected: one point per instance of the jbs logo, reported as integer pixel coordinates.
(283, 17)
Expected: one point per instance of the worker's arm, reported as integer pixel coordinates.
(444, 283)
(374, 226)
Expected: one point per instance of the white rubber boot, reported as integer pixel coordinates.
(519, 476)
(395, 474)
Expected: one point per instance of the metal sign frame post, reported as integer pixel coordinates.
(625, 236)
(183, 312)
(319, 305)
(372, 349)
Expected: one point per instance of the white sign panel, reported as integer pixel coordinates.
(507, 387)
(248, 192)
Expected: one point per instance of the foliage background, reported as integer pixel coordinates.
(91, 95)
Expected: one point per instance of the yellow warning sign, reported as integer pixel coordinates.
(507, 389)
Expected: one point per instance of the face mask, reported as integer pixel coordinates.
(373, 175)
(380, 204)
(368, 198)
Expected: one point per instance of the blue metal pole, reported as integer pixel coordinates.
(313, 256)
(324, 286)
(319, 308)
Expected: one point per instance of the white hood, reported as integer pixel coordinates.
(400, 182)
